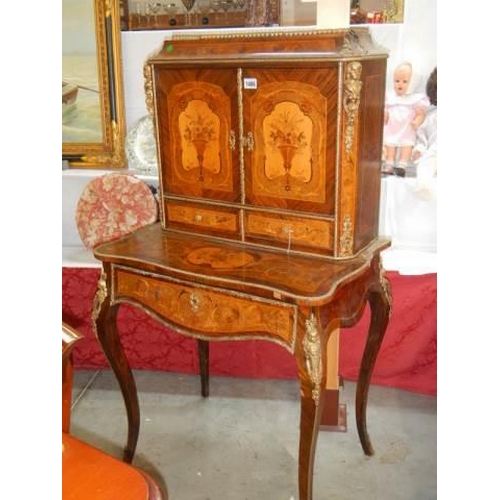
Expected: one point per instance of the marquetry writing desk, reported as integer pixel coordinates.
(219, 290)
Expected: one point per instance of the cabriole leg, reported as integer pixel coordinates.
(104, 318)
(380, 305)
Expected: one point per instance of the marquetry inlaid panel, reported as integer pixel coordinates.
(199, 114)
(289, 124)
(197, 216)
(208, 310)
(289, 115)
(197, 134)
(291, 231)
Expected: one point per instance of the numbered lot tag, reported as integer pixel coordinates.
(250, 83)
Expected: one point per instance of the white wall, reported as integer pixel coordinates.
(414, 40)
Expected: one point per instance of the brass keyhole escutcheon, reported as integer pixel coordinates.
(195, 302)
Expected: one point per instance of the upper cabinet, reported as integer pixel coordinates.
(271, 140)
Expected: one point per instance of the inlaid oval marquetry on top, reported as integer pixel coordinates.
(218, 258)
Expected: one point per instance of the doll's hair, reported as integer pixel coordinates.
(431, 87)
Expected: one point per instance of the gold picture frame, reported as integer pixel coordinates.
(377, 11)
(93, 113)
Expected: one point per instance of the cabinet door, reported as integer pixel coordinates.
(197, 128)
(290, 135)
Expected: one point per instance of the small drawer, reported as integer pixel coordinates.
(214, 313)
(293, 231)
(193, 217)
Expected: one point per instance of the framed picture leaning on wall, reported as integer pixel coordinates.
(93, 123)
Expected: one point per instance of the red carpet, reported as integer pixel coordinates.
(407, 360)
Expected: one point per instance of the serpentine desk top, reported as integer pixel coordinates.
(307, 280)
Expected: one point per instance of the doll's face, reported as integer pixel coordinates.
(402, 78)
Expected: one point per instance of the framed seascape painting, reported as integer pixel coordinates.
(93, 112)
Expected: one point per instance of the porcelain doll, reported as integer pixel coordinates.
(404, 113)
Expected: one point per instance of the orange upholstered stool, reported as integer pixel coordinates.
(89, 473)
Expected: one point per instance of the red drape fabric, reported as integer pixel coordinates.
(407, 360)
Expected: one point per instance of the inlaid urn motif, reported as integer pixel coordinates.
(200, 129)
(289, 132)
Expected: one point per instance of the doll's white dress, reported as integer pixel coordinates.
(426, 164)
(401, 109)
(426, 144)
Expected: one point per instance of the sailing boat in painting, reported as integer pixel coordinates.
(69, 95)
(81, 100)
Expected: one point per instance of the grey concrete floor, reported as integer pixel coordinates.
(242, 442)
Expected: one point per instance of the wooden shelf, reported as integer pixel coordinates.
(235, 19)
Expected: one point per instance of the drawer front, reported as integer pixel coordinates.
(193, 217)
(210, 312)
(293, 231)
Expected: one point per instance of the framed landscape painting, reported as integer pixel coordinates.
(93, 123)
